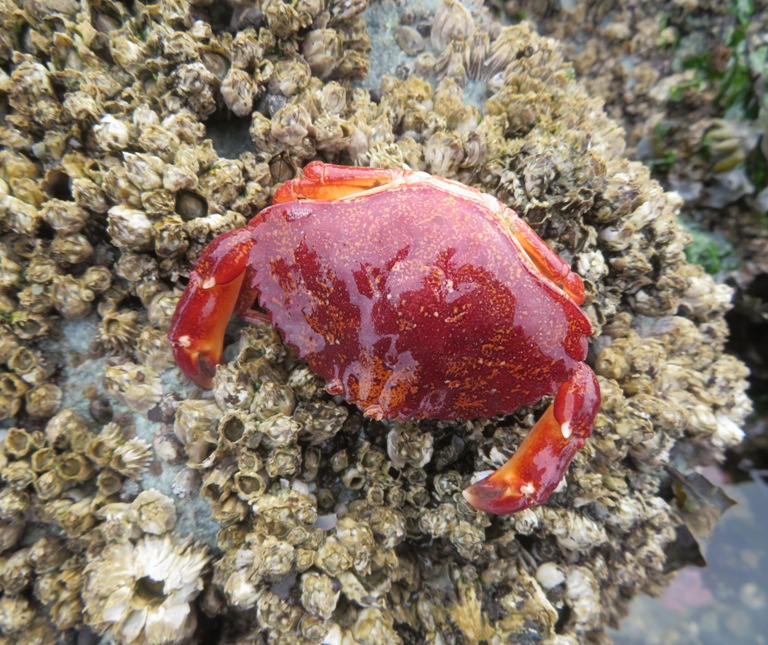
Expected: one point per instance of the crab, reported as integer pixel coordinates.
(414, 297)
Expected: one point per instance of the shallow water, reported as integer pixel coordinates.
(726, 602)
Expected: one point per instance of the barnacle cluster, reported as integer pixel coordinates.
(686, 91)
(330, 526)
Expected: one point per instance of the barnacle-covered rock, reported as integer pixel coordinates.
(109, 189)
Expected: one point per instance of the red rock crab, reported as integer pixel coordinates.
(414, 297)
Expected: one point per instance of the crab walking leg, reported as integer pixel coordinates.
(538, 465)
(198, 325)
(545, 259)
(328, 181)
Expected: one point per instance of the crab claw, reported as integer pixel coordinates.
(198, 363)
(538, 465)
(198, 325)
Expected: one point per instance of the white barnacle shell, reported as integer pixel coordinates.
(443, 153)
(575, 532)
(144, 592)
(129, 228)
(139, 387)
(81, 106)
(727, 432)
(591, 265)
(322, 50)
(111, 133)
(16, 614)
(132, 458)
(319, 593)
(155, 512)
(279, 430)
(526, 521)
(238, 91)
(119, 330)
(144, 171)
(549, 575)
(21, 217)
(583, 595)
(452, 21)
(71, 297)
(409, 445)
(128, 52)
(290, 124)
(450, 64)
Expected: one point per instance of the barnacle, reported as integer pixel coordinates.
(155, 512)
(24, 362)
(238, 91)
(322, 50)
(70, 296)
(111, 133)
(75, 518)
(131, 458)
(452, 21)
(139, 387)
(49, 484)
(194, 425)
(43, 400)
(109, 482)
(16, 614)
(17, 443)
(120, 329)
(319, 594)
(73, 466)
(129, 228)
(290, 124)
(194, 84)
(101, 447)
(143, 592)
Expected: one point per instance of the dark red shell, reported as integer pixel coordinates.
(415, 300)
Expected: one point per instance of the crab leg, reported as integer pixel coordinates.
(540, 461)
(328, 181)
(214, 290)
(546, 260)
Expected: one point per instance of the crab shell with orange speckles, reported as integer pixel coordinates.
(414, 299)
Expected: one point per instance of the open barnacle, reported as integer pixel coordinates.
(131, 458)
(144, 591)
(120, 329)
